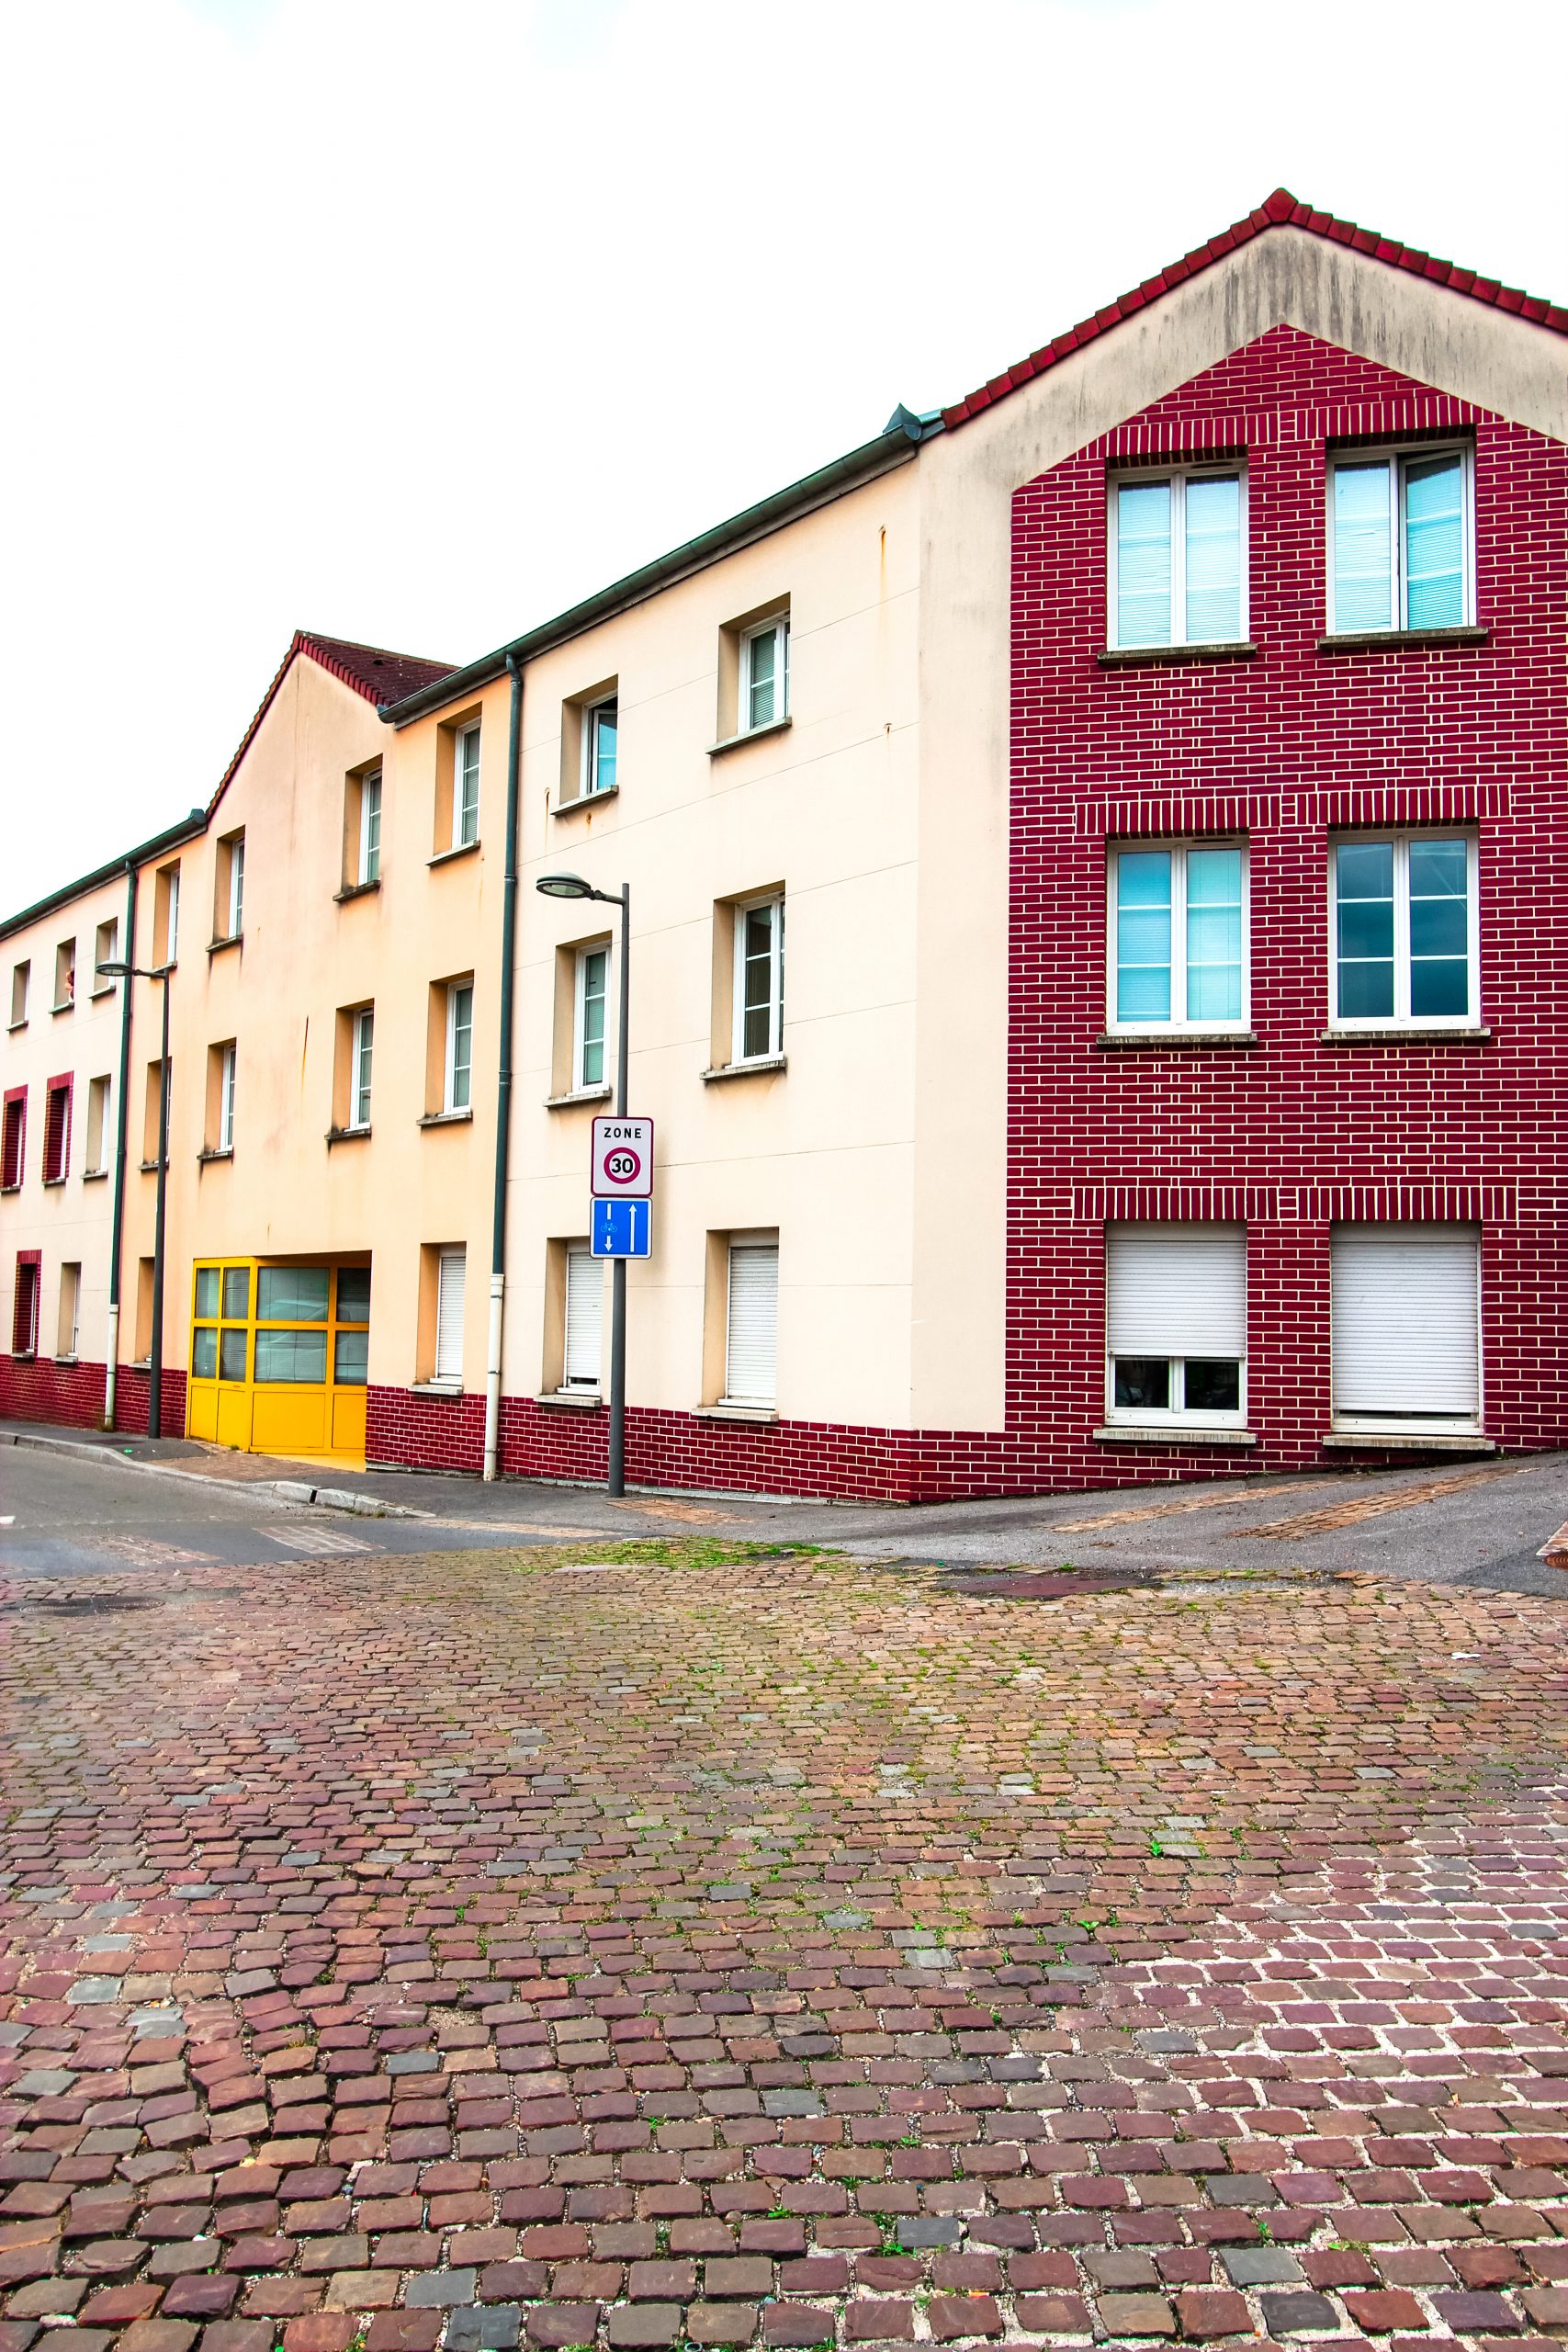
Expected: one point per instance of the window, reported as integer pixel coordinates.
(20, 976)
(1175, 1323)
(459, 1046)
(1405, 1321)
(584, 1317)
(229, 914)
(158, 1074)
(1177, 559)
(13, 1137)
(351, 1350)
(226, 1097)
(1178, 931)
(369, 865)
(765, 674)
(1405, 932)
(750, 1359)
(56, 1130)
(466, 788)
(451, 1267)
(106, 950)
(359, 1075)
(758, 982)
(96, 1160)
(1401, 537)
(588, 1018)
(165, 915)
(68, 1329)
(143, 1340)
(601, 723)
(24, 1304)
(65, 975)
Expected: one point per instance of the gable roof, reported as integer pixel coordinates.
(1279, 210)
(369, 670)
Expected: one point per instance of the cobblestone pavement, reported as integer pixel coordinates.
(411, 1953)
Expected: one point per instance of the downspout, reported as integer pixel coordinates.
(504, 1093)
(128, 989)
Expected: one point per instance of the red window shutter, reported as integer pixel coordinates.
(24, 1315)
(11, 1150)
(54, 1130)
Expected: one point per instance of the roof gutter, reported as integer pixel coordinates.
(187, 830)
(894, 445)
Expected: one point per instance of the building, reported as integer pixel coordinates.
(1151, 761)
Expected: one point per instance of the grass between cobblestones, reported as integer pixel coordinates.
(449, 1952)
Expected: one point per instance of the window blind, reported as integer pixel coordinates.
(585, 1318)
(751, 1359)
(1405, 1308)
(449, 1315)
(1177, 1290)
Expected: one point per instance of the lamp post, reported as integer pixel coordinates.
(121, 971)
(572, 885)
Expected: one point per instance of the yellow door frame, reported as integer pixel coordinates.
(321, 1420)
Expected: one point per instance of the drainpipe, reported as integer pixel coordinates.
(111, 1370)
(503, 1095)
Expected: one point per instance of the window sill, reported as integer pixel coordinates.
(578, 1094)
(70, 1358)
(765, 1066)
(1411, 1034)
(1170, 1433)
(93, 1175)
(92, 995)
(12, 1027)
(737, 1412)
(752, 735)
(222, 1151)
(1408, 1440)
(355, 890)
(217, 946)
(1392, 641)
(12, 1188)
(452, 1389)
(446, 1118)
(347, 1135)
(69, 1006)
(49, 1183)
(1133, 657)
(580, 801)
(1122, 1040)
(142, 1364)
(24, 1355)
(576, 1400)
(150, 1167)
(445, 856)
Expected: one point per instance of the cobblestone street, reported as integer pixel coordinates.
(467, 1950)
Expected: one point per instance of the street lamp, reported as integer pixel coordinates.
(572, 885)
(122, 971)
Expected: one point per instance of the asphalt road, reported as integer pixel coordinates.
(1458, 1522)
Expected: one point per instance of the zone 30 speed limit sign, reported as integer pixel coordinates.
(623, 1160)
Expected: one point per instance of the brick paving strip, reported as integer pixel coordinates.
(433, 1952)
(1191, 1502)
(1379, 1502)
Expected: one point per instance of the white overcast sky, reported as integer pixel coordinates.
(414, 320)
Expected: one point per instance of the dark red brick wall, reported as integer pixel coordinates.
(132, 1391)
(1294, 1136)
(43, 1390)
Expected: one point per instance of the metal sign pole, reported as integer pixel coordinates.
(616, 1482)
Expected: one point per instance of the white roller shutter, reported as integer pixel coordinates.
(751, 1358)
(449, 1315)
(1176, 1290)
(1406, 1321)
(585, 1318)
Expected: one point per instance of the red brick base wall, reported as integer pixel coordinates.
(132, 1393)
(43, 1390)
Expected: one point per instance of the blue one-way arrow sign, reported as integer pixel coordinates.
(622, 1229)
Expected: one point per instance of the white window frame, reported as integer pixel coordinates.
(1179, 1019)
(100, 1165)
(463, 809)
(777, 628)
(1175, 1415)
(1397, 455)
(774, 903)
(101, 986)
(69, 1353)
(21, 995)
(1402, 1017)
(361, 1070)
(568, 1386)
(1178, 477)
(589, 788)
(760, 1240)
(172, 926)
(370, 827)
(226, 1098)
(449, 1103)
(580, 1083)
(1415, 1425)
(447, 1378)
(236, 886)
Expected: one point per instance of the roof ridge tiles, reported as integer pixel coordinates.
(1279, 209)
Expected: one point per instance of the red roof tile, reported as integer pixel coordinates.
(370, 670)
(1278, 210)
